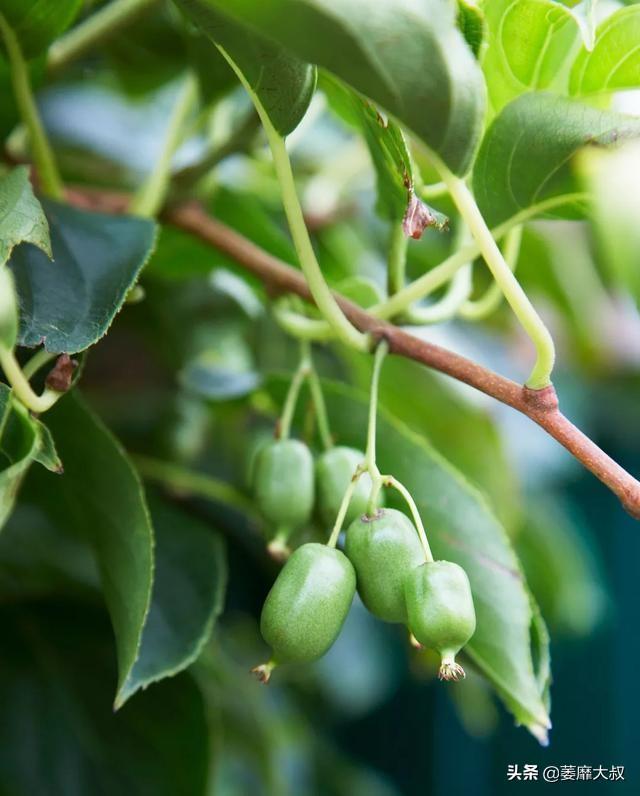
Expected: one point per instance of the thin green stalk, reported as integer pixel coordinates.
(318, 287)
(284, 426)
(389, 480)
(21, 387)
(521, 305)
(37, 361)
(397, 262)
(442, 273)
(322, 418)
(49, 176)
(301, 327)
(433, 191)
(151, 196)
(490, 301)
(196, 484)
(342, 511)
(447, 307)
(96, 29)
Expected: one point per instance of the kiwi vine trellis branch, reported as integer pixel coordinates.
(541, 406)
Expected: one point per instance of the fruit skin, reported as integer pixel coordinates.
(284, 483)
(440, 611)
(334, 470)
(308, 604)
(383, 550)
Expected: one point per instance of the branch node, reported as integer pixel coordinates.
(544, 400)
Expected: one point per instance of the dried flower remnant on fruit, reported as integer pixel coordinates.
(418, 217)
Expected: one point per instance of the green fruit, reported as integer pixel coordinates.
(441, 612)
(382, 550)
(284, 483)
(334, 470)
(307, 605)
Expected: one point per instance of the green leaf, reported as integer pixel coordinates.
(472, 25)
(101, 499)
(21, 215)
(613, 179)
(614, 62)
(284, 85)
(461, 528)
(8, 310)
(23, 439)
(526, 154)
(430, 81)
(529, 46)
(59, 734)
(188, 594)
(69, 304)
(37, 23)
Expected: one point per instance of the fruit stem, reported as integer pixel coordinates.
(322, 418)
(344, 507)
(50, 181)
(302, 371)
(370, 455)
(389, 480)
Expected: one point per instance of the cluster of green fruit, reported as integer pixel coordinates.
(383, 557)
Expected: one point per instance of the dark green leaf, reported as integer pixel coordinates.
(613, 63)
(59, 734)
(408, 57)
(461, 528)
(68, 304)
(37, 23)
(188, 594)
(526, 154)
(21, 215)
(101, 498)
(284, 85)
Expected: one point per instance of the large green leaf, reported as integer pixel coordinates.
(529, 46)
(462, 528)
(37, 23)
(100, 498)
(526, 153)
(614, 62)
(23, 439)
(68, 304)
(21, 215)
(390, 156)
(283, 84)
(59, 734)
(408, 56)
(188, 594)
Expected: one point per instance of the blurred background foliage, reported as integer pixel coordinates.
(183, 377)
